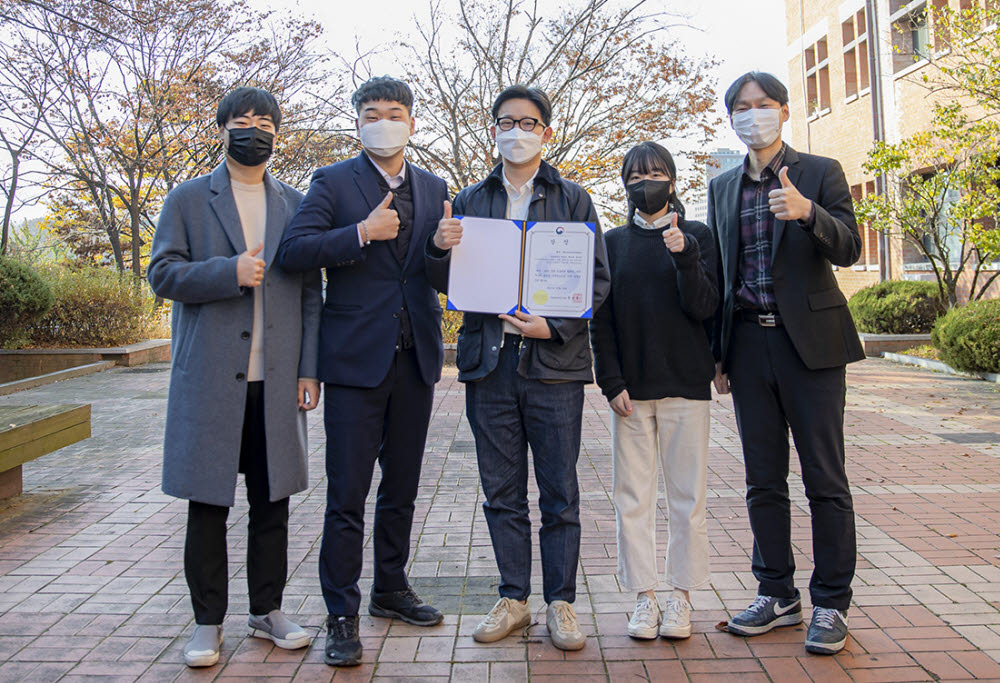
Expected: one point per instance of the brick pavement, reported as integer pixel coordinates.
(91, 582)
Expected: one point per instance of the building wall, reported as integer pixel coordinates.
(831, 109)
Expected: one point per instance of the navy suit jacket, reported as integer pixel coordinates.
(367, 287)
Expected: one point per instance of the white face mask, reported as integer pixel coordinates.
(518, 146)
(384, 138)
(758, 128)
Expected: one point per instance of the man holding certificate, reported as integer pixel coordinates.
(525, 372)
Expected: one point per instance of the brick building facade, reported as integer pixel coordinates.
(831, 98)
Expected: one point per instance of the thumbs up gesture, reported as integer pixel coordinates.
(449, 232)
(249, 268)
(787, 203)
(672, 236)
(382, 223)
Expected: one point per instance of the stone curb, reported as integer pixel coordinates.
(41, 380)
(939, 367)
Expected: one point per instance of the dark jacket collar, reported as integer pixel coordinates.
(546, 173)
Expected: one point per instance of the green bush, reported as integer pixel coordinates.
(968, 338)
(93, 307)
(897, 307)
(24, 297)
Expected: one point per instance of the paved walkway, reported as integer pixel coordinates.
(91, 582)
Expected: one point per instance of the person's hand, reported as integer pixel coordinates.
(673, 238)
(621, 404)
(787, 203)
(721, 380)
(308, 394)
(382, 223)
(533, 326)
(449, 231)
(249, 268)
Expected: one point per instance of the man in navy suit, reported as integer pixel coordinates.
(366, 220)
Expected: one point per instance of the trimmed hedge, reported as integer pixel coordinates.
(968, 338)
(94, 307)
(897, 307)
(24, 297)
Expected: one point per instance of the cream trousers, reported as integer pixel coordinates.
(675, 432)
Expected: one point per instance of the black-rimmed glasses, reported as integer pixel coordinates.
(527, 124)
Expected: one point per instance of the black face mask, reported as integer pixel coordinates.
(250, 146)
(649, 196)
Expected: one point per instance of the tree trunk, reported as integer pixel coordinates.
(9, 208)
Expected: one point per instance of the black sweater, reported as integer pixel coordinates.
(651, 335)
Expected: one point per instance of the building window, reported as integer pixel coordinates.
(855, 33)
(869, 238)
(911, 38)
(817, 61)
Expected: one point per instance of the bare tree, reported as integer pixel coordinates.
(136, 114)
(614, 78)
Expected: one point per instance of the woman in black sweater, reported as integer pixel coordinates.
(654, 364)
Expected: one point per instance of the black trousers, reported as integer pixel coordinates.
(385, 424)
(772, 392)
(205, 558)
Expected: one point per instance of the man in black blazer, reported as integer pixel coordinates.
(783, 337)
(366, 220)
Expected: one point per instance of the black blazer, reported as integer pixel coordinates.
(366, 288)
(812, 307)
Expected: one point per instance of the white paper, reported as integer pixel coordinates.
(484, 273)
(559, 269)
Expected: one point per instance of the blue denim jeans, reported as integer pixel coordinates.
(507, 414)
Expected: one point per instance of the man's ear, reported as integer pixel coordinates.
(224, 135)
(547, 134)
(357, 126)
(413, 125)
(785, 113)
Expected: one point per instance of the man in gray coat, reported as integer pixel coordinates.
(245, 337)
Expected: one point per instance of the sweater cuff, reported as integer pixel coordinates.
(690, 255)
(616, 387)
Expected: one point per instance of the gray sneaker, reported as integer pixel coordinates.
(506, 617)
(560, 620)
(766, 613)
(202, 648)
(277, 627)
(827, 631)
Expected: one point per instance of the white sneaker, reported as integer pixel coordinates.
(506, 616)
(676, 619)
(560, 620)
(645, 619)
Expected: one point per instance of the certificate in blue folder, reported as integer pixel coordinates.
(544, 268)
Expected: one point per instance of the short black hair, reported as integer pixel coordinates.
(647, 157)
(522, 92)
(245, 100)
(771, 86)
(383, 88)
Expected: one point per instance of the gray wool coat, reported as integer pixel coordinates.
(195, 248)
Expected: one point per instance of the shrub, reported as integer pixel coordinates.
(969, 337)
(93, 307)
(450, 322)
(24, 297)
(897, 307)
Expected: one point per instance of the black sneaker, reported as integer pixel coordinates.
(403, 605)
(343, 646)
(827, 631)
(766, 613)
